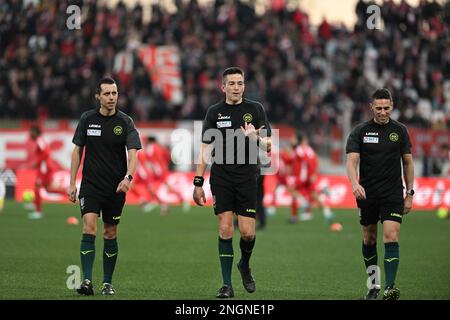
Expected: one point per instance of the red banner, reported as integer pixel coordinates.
(15, 146)
(428, 142)
(14, 142)
(431, 193)
(162, 63)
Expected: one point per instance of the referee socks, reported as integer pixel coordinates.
(226, 256)
(110, 251)
(246, 251)
(391, 260)
(87, 254)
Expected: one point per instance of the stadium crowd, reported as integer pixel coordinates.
(303, 75)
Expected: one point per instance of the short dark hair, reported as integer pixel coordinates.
(301, 136)
(105, 80)
(36, 128)
(231, 70)
(382, 94)
(151, 139)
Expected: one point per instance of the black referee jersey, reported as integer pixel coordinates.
(233, 162)
(105, 160)
(381, 147)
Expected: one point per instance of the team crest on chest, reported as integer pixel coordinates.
(393, 137)
(118, 130)
(247, 117)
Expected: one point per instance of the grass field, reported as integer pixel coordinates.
(175, 256)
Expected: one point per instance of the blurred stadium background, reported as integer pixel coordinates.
(313, 65)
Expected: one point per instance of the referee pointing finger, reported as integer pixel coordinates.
(231, 127)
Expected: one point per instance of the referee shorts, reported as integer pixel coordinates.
(240, 199)
(109, 208)
(372, 211)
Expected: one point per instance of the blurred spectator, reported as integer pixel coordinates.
(441, 166)
(302, 73)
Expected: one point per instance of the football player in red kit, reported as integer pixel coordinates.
(46, 167)
(303, 182)
(153, 171)
(280, 158)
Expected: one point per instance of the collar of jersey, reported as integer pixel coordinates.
(112, 115)
(233, 105)
(380, 124)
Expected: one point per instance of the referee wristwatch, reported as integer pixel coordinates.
(410, 192)
(129, 177)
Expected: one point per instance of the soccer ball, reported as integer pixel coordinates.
(28, 195)
(72, 220)
(336, 227)
(442, 213)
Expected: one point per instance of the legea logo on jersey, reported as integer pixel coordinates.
(393, 137)
(247, 117)
(118, 130)
(221, 117)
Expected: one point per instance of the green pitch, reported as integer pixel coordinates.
(175, 256)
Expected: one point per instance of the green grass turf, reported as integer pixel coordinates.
(175, 256)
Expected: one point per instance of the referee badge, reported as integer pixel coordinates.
(393, 137)
(247, 117)
(118, 130)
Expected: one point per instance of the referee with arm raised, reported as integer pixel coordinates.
(229, 134)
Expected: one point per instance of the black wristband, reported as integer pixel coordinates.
(198, 181)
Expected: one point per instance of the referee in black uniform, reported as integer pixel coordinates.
(105, 133)
(380, 146)
(229, 134)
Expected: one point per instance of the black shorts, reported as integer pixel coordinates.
(240, 199)
(109, 207)
(372, 211)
